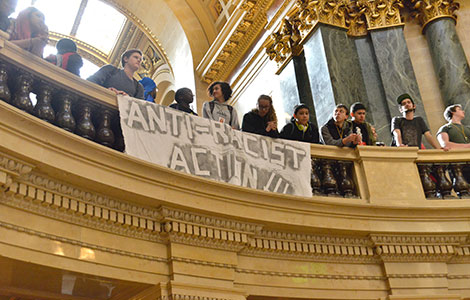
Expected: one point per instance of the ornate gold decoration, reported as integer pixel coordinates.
(238, 42)
(427, 10)
(381, 13)
(356, 20)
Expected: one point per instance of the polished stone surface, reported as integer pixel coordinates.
(450, 63)
(303, 85)
(289, 90)
(319, 78)
(378, 113)
(334, 70)
(396, 69)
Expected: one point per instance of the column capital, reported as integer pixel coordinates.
(428, 10)
(382, 13)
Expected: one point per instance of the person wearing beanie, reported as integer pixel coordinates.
(408, 129)
(67, 57)
(150, 89)
(299, 128)
(338, 130)
(184, 97)
(360, 126)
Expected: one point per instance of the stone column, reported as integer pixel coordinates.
(450, 63)
(391, 53)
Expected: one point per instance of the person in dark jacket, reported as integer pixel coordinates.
(67, 57)
(184, 97)
(262, 119)
(338, 130)
(300, 129)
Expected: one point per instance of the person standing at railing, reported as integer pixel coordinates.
(217, 109)
(150, 89)
(338, 130)
(454, 135)
(67, 57)
(7, 7)
(183, 97)
(299, 128)
(262, 119)
(360, 126)
(408, 129)
(30, 32)
(121, 81)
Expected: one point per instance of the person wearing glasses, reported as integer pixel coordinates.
(262, 119)
(183, 97)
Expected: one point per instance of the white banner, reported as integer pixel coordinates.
(214, 150)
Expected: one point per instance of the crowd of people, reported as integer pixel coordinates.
(30, 32)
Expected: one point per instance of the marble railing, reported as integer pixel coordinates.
(62, 98)
(445, 176)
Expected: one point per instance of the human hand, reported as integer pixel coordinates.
(402, 145)
(374, 133)
(350, 139)
(272, 125)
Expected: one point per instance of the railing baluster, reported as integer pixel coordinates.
(5, 93)
(329, 183)
(443, 183)
(460, 185)
(315, 181)
(85, 127)
(64, 117)
(346, 185)
(43, 108)
(105, 135)
(21, 99)
(429, 186)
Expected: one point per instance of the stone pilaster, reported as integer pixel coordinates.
(450, 63)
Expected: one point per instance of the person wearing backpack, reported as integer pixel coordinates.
(299, 128)
(217, 109)
(67, 57)
(121, 81)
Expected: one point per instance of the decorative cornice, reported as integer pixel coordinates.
(356, 20)
(14, 166)
(80, 243)
(381, 13)
(310, 275)
(239, 40)
(428, 10)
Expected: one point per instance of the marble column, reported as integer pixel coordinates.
(378, 113)
(333, 70)
(396, 70)
(295, 87)
(450, 63)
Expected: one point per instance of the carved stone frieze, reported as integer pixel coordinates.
(14, 166)
(311, 275)
(381, 13)
(80, 243)
(417, 248)
(427, 10)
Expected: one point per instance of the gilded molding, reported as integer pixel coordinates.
(428, 10)
(80, 243)
(356, 20)
(241, 38)
(381, 13)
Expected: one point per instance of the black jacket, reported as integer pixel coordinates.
(291, 132)
(254, 123)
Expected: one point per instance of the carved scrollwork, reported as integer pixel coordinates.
(427, 10)
(382, 13)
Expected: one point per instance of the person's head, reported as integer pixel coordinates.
(358, 112)
(29, 23)
(150, 88)
(265, 107)
(340, 114)
(302, 114)
(7, 7)
(454, 110)
(184, 96)
(132, 57)
(406, 103)
(220, 90)
(66, 45)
